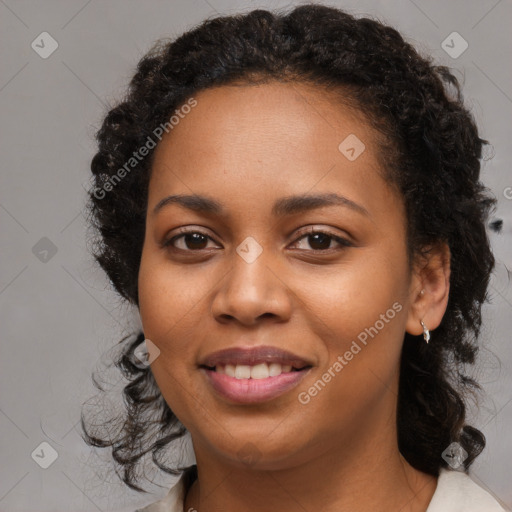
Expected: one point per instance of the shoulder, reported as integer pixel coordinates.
(457, 492)
(173, 501)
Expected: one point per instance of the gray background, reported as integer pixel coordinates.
(58, 316)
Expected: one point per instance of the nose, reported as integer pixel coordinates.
(251, 292)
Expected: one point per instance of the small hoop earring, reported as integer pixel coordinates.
(426, 332)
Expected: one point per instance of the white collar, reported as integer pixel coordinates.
(455, 492)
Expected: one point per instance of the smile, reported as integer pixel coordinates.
(253, 374)
(247, 390)
(258, 371)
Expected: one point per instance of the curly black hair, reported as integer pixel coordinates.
(431, 152)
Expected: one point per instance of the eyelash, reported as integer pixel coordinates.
(311, 231)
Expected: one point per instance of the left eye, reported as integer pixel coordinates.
(321, 241)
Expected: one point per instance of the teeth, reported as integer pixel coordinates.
(242, 371)
(229, 369)
(258, 371)
(275, 369)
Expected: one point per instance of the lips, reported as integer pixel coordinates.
(252, 375)
(254, 356)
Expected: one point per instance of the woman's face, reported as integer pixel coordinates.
(260, 269)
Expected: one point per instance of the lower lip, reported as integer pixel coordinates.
(248, 391)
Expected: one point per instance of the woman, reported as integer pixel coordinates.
(293, 203)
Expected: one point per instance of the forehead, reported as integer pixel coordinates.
(274, 113)
(269, 140)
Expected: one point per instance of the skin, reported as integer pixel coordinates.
(247, 146)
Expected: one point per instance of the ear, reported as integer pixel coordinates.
(431, 274)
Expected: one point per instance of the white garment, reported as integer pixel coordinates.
(455, 492)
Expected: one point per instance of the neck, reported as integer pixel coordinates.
(354, 477)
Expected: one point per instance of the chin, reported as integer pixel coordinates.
(256, 450)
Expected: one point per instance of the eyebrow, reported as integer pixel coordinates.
(285, 206)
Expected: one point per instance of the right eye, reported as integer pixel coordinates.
(190, 240)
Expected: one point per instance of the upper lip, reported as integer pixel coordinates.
(254, 355)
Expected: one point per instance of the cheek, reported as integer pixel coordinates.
(168, 297)
(354, 296)
(359, 311)
(168, 307)
(363, 340)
